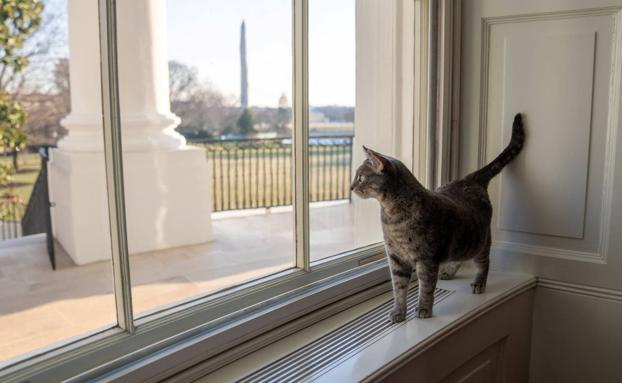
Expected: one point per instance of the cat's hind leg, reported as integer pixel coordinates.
(401, 271)
(482, 263)
(449, 270)
(427, 274)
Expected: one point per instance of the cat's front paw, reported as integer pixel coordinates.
(422, 312)
(478, 288)
(396, 316)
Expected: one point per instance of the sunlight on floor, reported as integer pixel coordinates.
(40, 306)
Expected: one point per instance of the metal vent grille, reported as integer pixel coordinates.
(313, 359)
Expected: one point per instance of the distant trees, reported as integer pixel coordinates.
(47, 106)
(206, 112)
(283, 116)
(336, 113)
(245, 123)
(201, 108)
(19, 19)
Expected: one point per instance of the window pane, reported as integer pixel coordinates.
(205, 89)
(332, 128)
(59, 89)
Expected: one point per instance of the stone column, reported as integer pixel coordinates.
(167, 183)
(143, 77)
(85, 120)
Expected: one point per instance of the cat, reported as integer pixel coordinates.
(430, 233)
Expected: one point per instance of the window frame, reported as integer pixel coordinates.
(194, 324)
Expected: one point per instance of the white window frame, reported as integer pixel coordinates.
(184, 334)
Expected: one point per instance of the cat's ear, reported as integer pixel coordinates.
(378, 162)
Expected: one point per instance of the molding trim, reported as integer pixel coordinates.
(615, 89)
(545, 251)
(582, 290)
(448, 103)
(188, 348)
(449, 330)
(204, 368)
(565, 287)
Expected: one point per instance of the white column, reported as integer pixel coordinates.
(84, 123)
(143, 77)
(167, 183)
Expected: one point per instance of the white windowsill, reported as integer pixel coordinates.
(406, 338)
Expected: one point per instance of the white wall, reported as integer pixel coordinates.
(384, 95)
(557, 208)
(577, 336)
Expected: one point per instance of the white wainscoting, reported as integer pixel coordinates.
(558, 207)
(560, 70)
(576, 334)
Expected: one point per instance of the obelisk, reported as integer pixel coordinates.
(243, 69)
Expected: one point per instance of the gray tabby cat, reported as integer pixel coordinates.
(432, 232)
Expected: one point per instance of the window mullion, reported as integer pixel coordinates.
(431, 177)
(301, 132)
(113, 158)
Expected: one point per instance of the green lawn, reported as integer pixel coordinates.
(247, 178)
(22, 181)
(254, 179)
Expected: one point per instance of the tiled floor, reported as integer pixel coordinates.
(40, 306)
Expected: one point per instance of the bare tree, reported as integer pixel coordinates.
(47, 108)
(202, 109)
(183, 81)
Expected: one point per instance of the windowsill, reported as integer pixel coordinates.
(402, 341)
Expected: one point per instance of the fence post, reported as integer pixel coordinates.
(267, 163)
(49, 235)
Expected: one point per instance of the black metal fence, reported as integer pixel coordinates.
(11, 209)
(37, 217)
(257, 173)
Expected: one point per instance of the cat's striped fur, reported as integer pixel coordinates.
(431, 232)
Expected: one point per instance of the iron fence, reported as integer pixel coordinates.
(37, 216)
(257, 173)
(11, 209)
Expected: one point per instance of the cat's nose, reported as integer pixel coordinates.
(352, 186)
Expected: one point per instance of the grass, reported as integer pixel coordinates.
(250, 178)
(22, 181)
(257, 179)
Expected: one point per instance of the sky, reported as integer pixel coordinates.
(206, 35)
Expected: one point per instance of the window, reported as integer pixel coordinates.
(332, 129)
(44, 300)
(230, 134)
(208, 191)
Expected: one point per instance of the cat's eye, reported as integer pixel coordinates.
(361, 178)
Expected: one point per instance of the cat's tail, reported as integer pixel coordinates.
(485, 174)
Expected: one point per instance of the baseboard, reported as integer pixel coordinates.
(582, 290)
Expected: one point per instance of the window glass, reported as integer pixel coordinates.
(205, 93)
(332, 128)
(55, 268)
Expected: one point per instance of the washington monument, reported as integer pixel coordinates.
(243, 71)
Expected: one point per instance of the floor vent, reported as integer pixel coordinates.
(322, 354)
